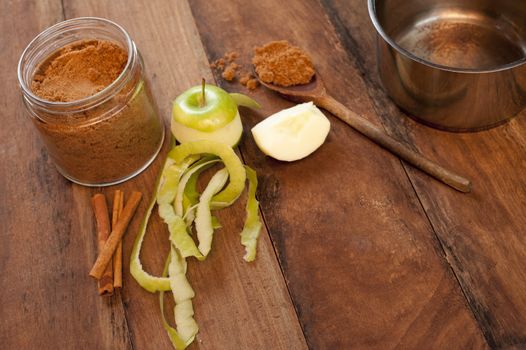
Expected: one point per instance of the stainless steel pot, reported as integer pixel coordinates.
(458, 65)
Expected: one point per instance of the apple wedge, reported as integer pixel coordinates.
(292, 133)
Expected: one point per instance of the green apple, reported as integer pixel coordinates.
(292, 133)
(207, 112)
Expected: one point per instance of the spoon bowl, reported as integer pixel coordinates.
(298, 93)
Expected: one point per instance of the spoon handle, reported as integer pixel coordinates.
(375, 134)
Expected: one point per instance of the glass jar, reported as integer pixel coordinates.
(102, 139)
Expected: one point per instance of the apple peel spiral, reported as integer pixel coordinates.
(181, 207)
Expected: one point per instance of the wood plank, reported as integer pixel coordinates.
(46, 300)
(237, 305)
(361, 261)
(481, 233)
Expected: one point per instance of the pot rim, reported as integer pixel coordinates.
(371, 5)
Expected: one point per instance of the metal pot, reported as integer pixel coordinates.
(458, 65)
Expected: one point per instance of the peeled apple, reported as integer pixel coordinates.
(229, 134)
(207, 112)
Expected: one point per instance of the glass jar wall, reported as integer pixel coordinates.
(100, 139)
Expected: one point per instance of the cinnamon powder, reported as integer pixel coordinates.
(79, 70)
(109, 141)
(248, 80)
(280, 63)
(230, 70)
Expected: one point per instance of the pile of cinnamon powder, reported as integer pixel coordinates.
(280, 63)
(79, 70)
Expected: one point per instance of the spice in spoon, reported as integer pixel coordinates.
(280, 63)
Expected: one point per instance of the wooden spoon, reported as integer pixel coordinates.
(315, 91)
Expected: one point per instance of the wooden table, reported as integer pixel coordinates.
(359, 249)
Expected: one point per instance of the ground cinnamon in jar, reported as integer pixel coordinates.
(280, 63)
(106, 139)
(79, 70)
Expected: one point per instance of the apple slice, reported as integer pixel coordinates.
(292, 133)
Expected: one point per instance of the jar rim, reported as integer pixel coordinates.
(55, 31)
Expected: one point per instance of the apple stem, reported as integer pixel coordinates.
(203, 99)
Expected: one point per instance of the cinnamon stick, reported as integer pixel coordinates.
(102, 220)
(118, 204)
(105, 255)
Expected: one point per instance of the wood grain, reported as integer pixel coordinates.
(47, 231)
(361, 261)
(483, 233)
(237, 305)
(371, 249)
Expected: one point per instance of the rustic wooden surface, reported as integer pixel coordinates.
(362, 251)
